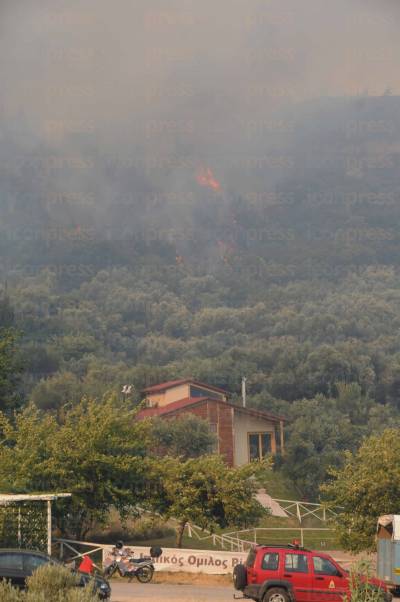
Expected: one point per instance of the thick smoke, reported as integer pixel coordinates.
(157, 90)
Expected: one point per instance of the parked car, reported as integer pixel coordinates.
(17, 565)
(294, 574)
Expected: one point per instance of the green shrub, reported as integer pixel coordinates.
(56, 583)
(361, 589)
(151, 528)
(77, 594)
(80, 595)
(132, 531)
(51, 579)
(50, 583)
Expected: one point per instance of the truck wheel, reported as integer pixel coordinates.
(240, 577)
(276, 594)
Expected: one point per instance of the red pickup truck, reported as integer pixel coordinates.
(293, 574)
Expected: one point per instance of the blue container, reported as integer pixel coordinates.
(388, 548)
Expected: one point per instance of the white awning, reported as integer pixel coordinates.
(28, 497)
(391, 520)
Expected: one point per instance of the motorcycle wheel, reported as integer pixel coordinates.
(145, 574)
(109, 571)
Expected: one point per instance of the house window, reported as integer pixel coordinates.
(259, 445)
(199, 392)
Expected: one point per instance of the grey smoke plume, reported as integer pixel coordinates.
(161, 89)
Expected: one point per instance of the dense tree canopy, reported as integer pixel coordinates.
(186, 436)
(367, 486)
(322, 429)
(9, 367)
(94, 450)
(103, 456)
(207, 493)
(289, 276)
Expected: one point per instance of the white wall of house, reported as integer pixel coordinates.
(176, 393)
(243, 425)
(169, 395)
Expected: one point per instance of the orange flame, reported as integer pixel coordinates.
(205, 177)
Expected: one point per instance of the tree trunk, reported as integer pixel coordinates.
(179, 534)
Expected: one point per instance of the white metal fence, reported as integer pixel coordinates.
(172, 559)
(319, 537)
(302, 510)
(239, 541)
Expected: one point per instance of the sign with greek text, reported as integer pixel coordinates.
(212, 562)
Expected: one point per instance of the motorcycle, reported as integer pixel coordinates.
(130, 567)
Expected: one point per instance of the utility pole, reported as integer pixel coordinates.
(244, 391)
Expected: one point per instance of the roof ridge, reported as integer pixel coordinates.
(188, 401)
(181, 381)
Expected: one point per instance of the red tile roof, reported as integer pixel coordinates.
(182, 381)
(171, 407)
(175, 406)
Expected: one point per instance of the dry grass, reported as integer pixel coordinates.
(192, 579)
(181, 578)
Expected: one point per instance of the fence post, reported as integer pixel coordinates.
(302, 538)
(255, 535)
(49, 527)
(61, 550)
(19, 527)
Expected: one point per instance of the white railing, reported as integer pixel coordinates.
(226, 541)
(189, 560)
(70, 545)
(277, 535)
(301, 510)
(235, 541)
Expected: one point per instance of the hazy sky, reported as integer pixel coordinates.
(120, 60)
(195, 82)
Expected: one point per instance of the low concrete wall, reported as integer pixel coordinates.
(211, 562)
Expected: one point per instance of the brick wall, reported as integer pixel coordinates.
(222, 417)
(225, 432)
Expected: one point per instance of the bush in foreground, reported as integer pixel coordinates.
(361, 588)
(50, 583)
(9, 593)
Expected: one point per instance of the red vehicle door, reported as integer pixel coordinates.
(297, 570)
(330, 582)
